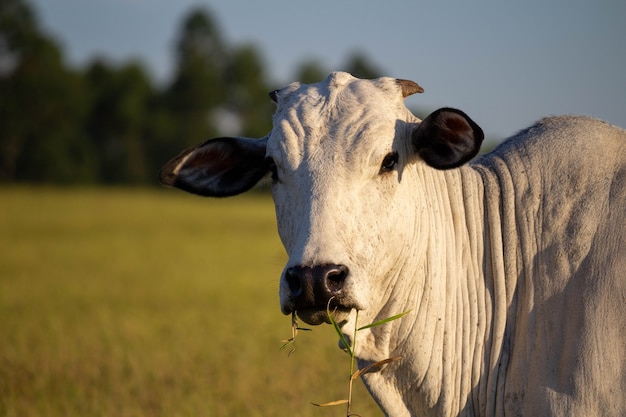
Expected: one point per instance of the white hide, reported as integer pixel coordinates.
(514, 266)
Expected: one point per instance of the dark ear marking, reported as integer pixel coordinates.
(447, 138)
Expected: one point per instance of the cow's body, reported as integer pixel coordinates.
(513, 267)
(555, 196)
(528, 316)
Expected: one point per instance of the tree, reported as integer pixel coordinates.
(108, 123)
(311, 71)
(42, 106)
(18, 29)
(198, 87)
(117, 118)
(359, 65)
(247, 92)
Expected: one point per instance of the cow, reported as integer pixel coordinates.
(512, 265)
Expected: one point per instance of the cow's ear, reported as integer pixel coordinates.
(447, 138)
(218, 168)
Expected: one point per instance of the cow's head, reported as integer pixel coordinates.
(343, 157)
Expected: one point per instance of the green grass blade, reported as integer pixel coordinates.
(387, 320)
(342, 337)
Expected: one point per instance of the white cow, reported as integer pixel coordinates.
(513, 266)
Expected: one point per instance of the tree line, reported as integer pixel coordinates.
(110, 123)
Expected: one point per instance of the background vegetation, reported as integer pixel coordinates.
(135, 302)
(110, 123)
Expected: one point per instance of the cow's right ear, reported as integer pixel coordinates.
(220, 167)
(447, 138)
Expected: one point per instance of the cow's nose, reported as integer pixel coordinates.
(316, 285)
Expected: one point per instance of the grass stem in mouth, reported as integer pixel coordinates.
(349, 347)
(294, 333)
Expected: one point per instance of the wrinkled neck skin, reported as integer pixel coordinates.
(451, 342)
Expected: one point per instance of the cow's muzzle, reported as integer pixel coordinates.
(315, 289)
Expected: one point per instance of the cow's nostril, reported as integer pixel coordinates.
(293, 281)
(335, 278)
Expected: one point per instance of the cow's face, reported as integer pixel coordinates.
(337, 153)
(342, 155)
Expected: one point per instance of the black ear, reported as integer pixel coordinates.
(447, 138)
(218, 168)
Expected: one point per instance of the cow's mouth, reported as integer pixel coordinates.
(315, 316)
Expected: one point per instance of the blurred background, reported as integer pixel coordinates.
(105, 91)
(122, 299)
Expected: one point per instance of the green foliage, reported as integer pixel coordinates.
(115, 124)
(198, 85)
(248, 92)
(310, 72)
(42, 105)
(359, 66)
(147, 303)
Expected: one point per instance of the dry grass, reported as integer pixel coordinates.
(124, 302)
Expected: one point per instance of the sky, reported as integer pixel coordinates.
(505, 63)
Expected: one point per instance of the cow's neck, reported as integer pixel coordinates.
(452, 342)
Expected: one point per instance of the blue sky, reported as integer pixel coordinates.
(505, 63)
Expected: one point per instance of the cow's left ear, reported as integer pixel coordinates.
(447, 138)
(219, 167)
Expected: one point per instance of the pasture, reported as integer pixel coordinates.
(139, 302)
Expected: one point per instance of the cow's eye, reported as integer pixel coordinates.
(271, 166)
(389, 162)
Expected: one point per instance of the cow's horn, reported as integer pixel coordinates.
(409, 87)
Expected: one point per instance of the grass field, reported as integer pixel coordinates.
(133, 302)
